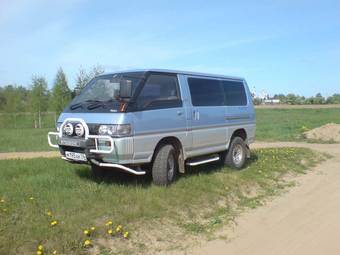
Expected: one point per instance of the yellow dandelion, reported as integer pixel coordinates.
(110, 232)
(109, 223)
(49, 213)
(93, 228)
(86, 232)
(40, 248)
(126, 234)
(31, 198)
(2, 200)
(40, 253)
(54, 252)
(87, 243)
(119, 228)
(54, 222)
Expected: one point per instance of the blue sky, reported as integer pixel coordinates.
(278, 46)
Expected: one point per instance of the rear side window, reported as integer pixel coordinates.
(206, 92)
(234, 93)
(160, 91)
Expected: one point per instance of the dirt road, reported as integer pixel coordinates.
(306, 220)
(27, 155)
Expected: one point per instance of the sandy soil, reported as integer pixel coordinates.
(328, 132)
(305, 220)
(26, 155)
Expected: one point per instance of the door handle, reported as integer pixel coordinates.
(196, 115)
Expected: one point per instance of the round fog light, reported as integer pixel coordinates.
(79, 130)
(68, 129)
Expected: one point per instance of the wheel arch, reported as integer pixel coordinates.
(174, 141)
(241, 132)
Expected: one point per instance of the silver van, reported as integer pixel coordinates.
(157, 120)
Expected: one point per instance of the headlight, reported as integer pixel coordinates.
(119, 130)
(68, 129)
(58, 126)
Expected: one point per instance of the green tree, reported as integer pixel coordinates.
(334, 99)
(38, 98)
(61, 93)
(84, 76)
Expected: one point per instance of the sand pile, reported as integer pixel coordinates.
(328, 132)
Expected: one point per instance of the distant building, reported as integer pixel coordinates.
(264, 98)
(271, 101)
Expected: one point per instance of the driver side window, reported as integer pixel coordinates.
(160, 91)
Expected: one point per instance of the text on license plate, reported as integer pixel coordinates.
(75, 156)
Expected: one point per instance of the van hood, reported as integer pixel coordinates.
(97, 118)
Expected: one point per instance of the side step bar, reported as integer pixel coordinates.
(203, 161)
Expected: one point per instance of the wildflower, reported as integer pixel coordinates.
(49, 213)
(2, 200)
(126, 234)
(93, 228)
(87, 243)
(87, 232)
(109, 223)
(40, 248)
(119, 228)
(54, 222)
(110, 232)
(31, 198)
(54, 252)
(40, 253)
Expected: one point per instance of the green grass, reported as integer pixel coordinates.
(200, 202)
(289, 124)
(14, 140)
(272, 124)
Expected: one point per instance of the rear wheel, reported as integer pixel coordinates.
(165, 167)
(236, 154)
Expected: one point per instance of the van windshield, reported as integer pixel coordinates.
(98, 95)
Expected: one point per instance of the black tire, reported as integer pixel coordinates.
(236, 154)
(98, 172)
(163, 171)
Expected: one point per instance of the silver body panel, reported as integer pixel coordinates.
(201, 130)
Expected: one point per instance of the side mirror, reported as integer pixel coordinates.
(125, 89)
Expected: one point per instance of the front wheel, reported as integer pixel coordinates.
(164, 168)
(98, 172)
(236, 154)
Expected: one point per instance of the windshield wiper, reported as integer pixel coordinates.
(80, 104)
(98, 104)
(76, 106)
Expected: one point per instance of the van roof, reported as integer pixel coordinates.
(179, 72)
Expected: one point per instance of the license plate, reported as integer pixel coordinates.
(69, 142)
(75, 156)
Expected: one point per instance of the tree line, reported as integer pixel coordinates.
(296, 99)
(37, 98)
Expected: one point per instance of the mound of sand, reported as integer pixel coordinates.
(328, 132)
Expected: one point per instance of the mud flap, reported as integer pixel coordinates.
(248, 151)
(181, 163)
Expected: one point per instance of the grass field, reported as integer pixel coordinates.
(155, 217)
(26, 139)
(272, 124)
(289, 124)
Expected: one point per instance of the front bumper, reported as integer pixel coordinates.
(100, 150)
